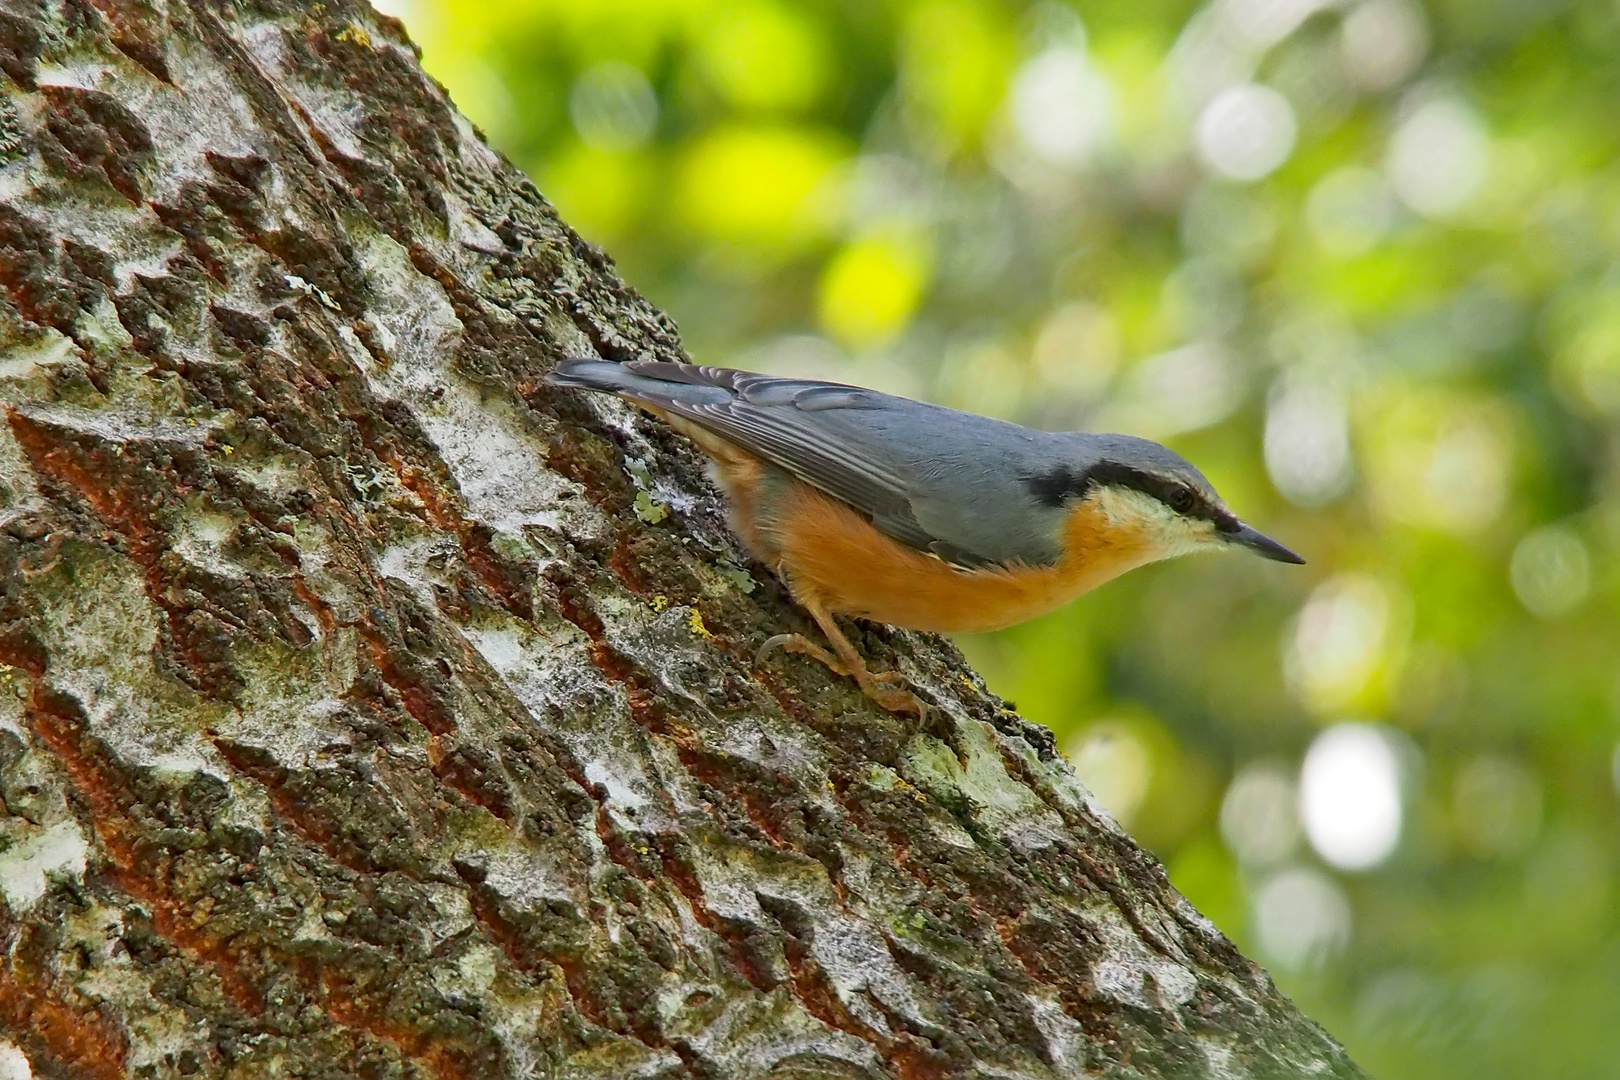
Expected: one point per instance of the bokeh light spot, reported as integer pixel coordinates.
(1437, 158)
(771, 190)
(1116, 765)
(1551, 572)
(1181, 390)
(765, 56)
(1307, 444)
(1301, 918)
(613, 107)
(1340, 642)
(1246, 132)
(1062, 107)
(1441, 461)
(1589, 364)
(1383, 41)
(1260, 814)
(954, 60)
(871, 287)
(1350, 796)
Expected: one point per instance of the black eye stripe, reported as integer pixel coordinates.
(1052, 488)
(1057, 486)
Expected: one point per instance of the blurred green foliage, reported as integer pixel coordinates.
(1356, 259)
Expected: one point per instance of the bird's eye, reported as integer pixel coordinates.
(1182, 500)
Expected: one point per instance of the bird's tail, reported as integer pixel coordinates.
(647, 381)
(590, 374)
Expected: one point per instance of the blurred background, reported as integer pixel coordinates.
(1359, 260)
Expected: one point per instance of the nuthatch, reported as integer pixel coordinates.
(892, 510)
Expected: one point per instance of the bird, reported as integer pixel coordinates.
(878, 507)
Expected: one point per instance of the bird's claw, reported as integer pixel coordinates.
(798, 643)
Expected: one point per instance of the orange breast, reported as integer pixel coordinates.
(835, 555)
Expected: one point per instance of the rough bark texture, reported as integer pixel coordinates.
(371, 709)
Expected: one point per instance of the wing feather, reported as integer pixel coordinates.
(777, 419)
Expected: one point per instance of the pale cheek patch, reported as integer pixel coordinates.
(1166, 532)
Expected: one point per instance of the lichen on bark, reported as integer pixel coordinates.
(359, 715)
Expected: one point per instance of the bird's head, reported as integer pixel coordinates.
(1133, 492)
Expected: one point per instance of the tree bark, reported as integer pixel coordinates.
(372, 709)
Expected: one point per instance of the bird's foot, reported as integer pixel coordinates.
(883, 687)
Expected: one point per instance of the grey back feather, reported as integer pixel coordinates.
(941, 481)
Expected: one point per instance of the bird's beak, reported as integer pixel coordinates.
(1262, 545)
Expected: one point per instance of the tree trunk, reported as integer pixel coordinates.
(372, 709)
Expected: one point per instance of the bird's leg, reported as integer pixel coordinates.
(844, 660)
(893, 698)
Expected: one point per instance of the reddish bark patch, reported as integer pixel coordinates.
(76, 1038)
(61, 726)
